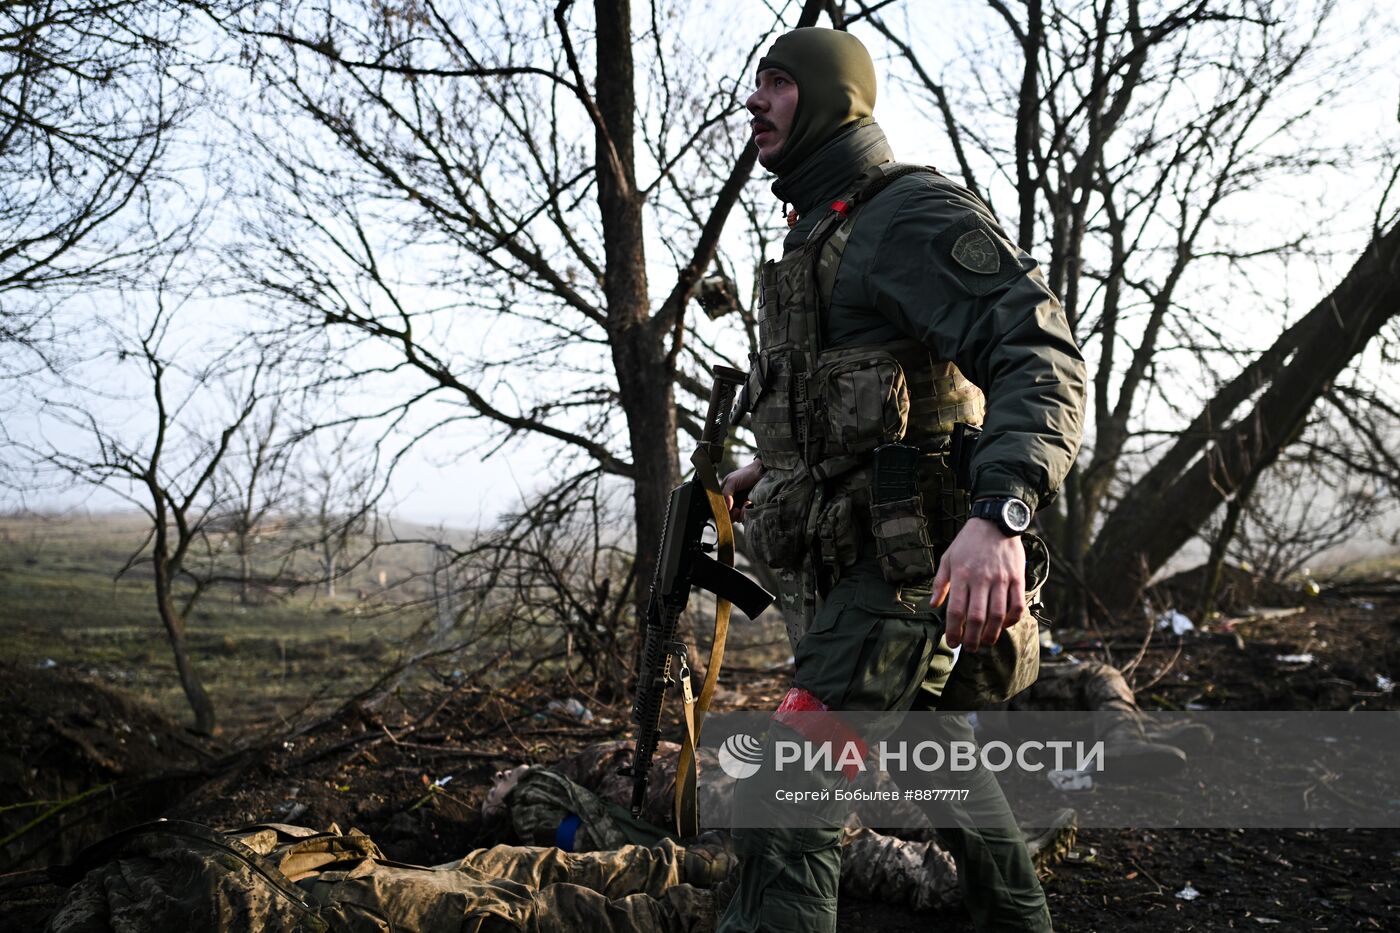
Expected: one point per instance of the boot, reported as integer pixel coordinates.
(707, 864)
(1193, 738)
(1054, 842)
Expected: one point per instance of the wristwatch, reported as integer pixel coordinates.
(1008, 513)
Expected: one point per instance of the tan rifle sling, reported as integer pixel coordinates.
(687, 807)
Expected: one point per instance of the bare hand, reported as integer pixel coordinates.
(737, 485)
(982, 575)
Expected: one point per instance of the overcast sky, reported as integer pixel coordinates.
(445, 481)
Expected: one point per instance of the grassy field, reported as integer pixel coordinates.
(60, 605)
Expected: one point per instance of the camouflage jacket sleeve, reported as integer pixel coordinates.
(944, 273)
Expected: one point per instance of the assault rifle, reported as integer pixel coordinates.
(684, 561)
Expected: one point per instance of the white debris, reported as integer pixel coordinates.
(1188, 893)
(1069, 779)
(1178, 623)
(1265, 920)
(443, 781)
(1384, 683)
(1305, 658)
(572, 708)
(46, 664)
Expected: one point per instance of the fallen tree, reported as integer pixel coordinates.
(1216, 456)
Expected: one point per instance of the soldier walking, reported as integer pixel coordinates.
(898, 309)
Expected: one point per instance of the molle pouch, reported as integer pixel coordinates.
(902, 542)
(771, 413)
(1013, 663)
(837, 536)
(863, 399)
(776, 521)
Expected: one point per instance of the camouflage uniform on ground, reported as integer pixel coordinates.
(1134, 747)
(917, 874)
(175, 876)
(1077, 685)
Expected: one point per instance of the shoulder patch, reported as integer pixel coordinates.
(976, 252)
(978, 255)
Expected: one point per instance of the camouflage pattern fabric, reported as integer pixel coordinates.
(596, 769)
(174, 876)
(919, 876)
(544, 799)
(181, 876)
(1083, 685)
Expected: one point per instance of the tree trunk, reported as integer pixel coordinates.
(328, 562)
(1166, 507)
(199, 701)
(245, 572)
(645, 373)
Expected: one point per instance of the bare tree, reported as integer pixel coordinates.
(89, 98)
(1125, 134)
(479, 222)
(168, 469)
(338, 488)
(254, 483)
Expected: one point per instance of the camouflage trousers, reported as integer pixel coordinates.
(286, 879)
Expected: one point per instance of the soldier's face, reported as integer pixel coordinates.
(773, 105)
(503, 783)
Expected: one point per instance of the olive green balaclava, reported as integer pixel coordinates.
(835, 86)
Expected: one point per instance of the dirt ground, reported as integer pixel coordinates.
(412, 772)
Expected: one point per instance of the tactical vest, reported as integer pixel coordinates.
(818, 415)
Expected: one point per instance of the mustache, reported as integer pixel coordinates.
(761, 123)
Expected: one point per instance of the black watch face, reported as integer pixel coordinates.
(1016, 514)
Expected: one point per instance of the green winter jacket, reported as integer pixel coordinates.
(926, 259)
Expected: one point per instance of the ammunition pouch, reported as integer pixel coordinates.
(775, 523)
(838, 538)
(860, 399)
(902, 543)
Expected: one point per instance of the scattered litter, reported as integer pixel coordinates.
(290, 810)
(1366, 604)
(288, 746)
(1078, 854)
(1188, 893)
(1175, 621)
(571, 708)
(443, 781)
(1048, 643)
(1305, 658)
(1069, 779)
(1265, 920)
(1193, 706)
(1384, 683)
(46, 664)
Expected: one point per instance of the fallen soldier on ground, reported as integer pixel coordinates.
(577, 803)
(176, 876)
